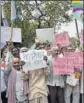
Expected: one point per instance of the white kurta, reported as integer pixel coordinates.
(19, 88)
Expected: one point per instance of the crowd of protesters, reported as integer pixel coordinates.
(41, 85)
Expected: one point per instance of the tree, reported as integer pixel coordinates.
(73, 42)
(47, 14)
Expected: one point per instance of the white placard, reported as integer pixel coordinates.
(6, 34)
(34, 59)
(71, 80)
(45, 34)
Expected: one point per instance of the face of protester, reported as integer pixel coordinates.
(47, 47)
(3, 58)
(5, 53)
(59, 46)
(49, 52)
(41, 46)
(64, 49)
(15, 52)
(54, 52)
(16, 63)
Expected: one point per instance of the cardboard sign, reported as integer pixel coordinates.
(63, 66)
(45, 34)
(77, 57)
(6, 34)
(62, 39)
(34, 59)
(71, 80)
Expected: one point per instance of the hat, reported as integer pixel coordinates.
(37, 41)
(23, 49)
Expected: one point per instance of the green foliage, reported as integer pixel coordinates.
(7, 10)
(73, 42)
(55, 12)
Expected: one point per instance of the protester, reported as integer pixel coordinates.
(81, 88)
(40, 85)
(23, 49)
(9, 56)
(82, 83)
(55, 82)
(17, 87)
(8, 59)
(38, 91)
(74, 87)
(16, 52)
(3, 81)
(36, 45)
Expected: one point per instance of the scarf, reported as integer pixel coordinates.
(12, 87)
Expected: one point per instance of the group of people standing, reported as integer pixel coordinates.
(41, 85)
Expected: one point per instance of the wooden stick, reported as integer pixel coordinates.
(11, 31)
(77, 29)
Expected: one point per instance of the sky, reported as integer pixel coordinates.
(71, 28)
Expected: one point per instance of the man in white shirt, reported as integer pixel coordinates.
(17, 87)
(55, 82)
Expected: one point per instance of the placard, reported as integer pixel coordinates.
(77, 57)
(45, 34)
(71, 80)
(6, 34)
(33, 59)
(63, 66)
(62, 39)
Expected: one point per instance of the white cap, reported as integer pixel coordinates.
(24, 49)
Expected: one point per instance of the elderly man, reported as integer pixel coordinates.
(55, 82)
(73, 87)
(17, 87)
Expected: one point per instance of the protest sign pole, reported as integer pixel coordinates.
(11, 31)
(13, 17)
(77, 29)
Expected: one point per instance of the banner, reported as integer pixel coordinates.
(33, 59)
(62, 39)
(63, 66)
